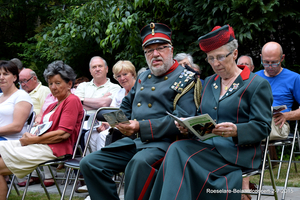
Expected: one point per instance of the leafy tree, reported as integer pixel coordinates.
(111, 28)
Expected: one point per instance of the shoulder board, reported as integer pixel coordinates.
(183, 79)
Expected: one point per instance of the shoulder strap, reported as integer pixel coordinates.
(197, 92)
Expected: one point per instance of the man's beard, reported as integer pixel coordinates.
(160, 70)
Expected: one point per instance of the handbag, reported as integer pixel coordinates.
(279, 133)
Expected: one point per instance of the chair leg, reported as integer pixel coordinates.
(272, 177)
(280, 163)
(26, 186)
(55, 181)
(74, 185)
(42, 182)
(66, 183)
(12, 184)
(289, 166)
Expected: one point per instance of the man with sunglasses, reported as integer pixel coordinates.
(38, 92)
(284, 83)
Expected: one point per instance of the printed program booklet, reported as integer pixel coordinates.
(41, 129)
(116, 117)
(200, 125)
(277, 109)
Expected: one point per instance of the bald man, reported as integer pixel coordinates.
(30, 83)
(284, 83)
(246, 60)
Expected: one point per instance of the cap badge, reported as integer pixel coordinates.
(152, 26)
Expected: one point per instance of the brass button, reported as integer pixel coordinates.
(139, 104)
(215, 108)
(142, 88)
(149, 105)
(149, 76)
(166, 78)
(153, 88)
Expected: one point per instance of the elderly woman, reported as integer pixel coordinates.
(240, 103)
(15, 104)
(21, 157)
(124, 72)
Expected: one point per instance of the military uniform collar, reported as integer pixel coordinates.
(245, 74)
(174, 66)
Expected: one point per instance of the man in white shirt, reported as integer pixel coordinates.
(99, 91)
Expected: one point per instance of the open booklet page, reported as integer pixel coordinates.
(200, 125)
(277, 109)
(116, 117)
(41, 129)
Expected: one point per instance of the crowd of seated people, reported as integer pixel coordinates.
(20, 157)
(240, 128)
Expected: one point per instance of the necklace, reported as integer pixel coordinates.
(229, 82)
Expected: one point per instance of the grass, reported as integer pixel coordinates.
(294, 181)
(294, 178)
(38, 196)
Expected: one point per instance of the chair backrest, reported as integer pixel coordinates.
(97, 116)
(104, 110)
(30, 121)
(79, 135)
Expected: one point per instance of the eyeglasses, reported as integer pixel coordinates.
(265, 64)
(220, 58)
(159, 49)
(26, 81)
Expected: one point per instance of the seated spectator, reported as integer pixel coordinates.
(15, 104)
(31, 84)
(124, 72)
(184, 59)
(19, 64)
(142, 70)
(21, 157)
(47, 174)
(246, 60)
(80, 80)
(240, 103)
(197, 69)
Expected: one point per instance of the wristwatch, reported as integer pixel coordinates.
(82, 99)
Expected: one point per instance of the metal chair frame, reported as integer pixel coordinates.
(261, 171)
(290, 141)
(59, 160)
(74, 163)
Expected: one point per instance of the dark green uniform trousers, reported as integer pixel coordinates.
(99, 167)
(195, 170)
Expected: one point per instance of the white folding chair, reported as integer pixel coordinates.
(59, 160)
(261, 171)
(290, 141)
(74, 163)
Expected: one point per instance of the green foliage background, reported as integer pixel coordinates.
(39, 32)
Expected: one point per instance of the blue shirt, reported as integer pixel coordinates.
(285, 87)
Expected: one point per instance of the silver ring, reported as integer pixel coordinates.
(125, 132)
(222, 134)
